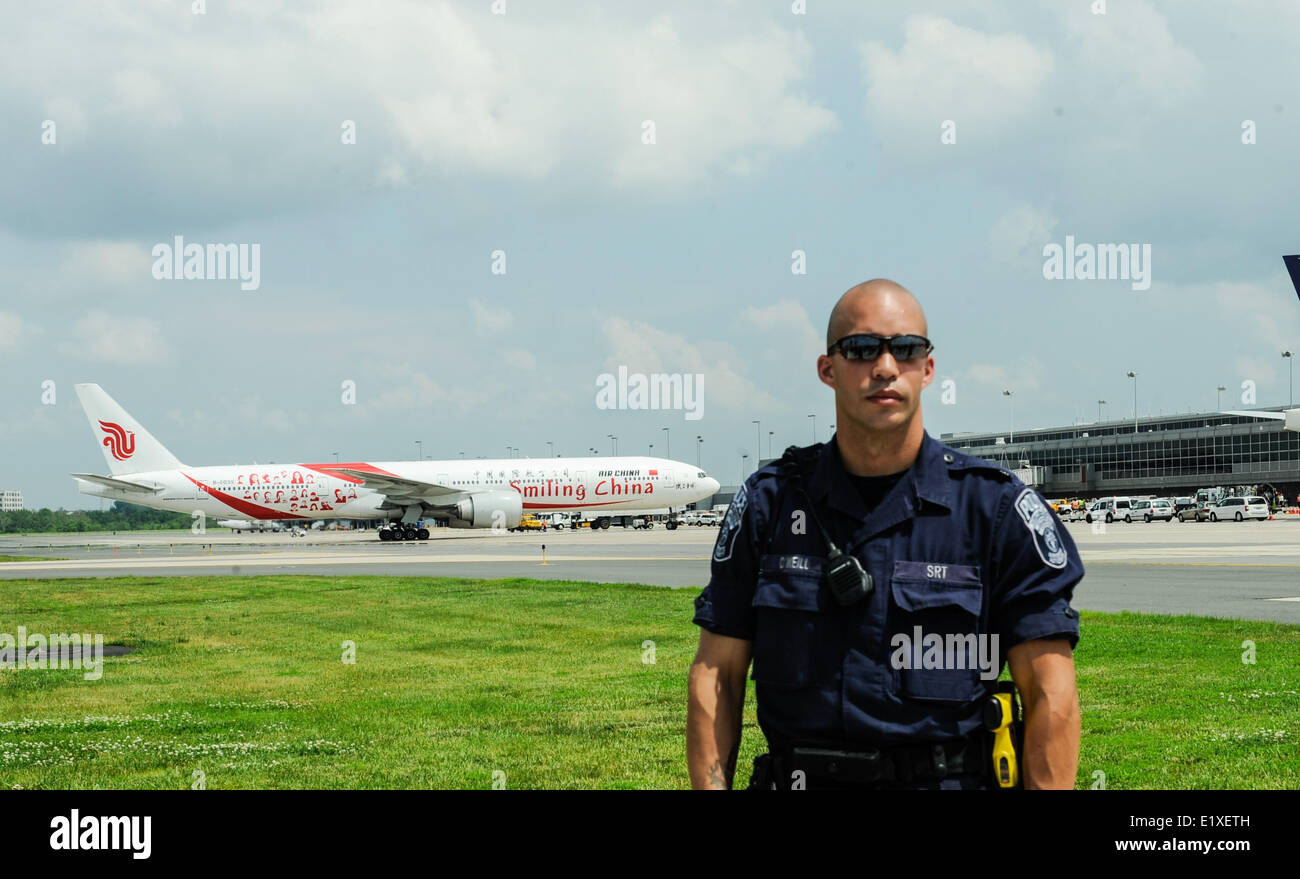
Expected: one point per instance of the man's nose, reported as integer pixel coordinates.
(885, 367)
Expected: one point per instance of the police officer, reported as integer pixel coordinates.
(878, 583)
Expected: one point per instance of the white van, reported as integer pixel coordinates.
(1108, 509)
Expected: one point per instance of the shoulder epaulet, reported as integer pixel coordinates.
(959, 461)
(800, 460)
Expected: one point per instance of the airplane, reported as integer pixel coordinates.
(470, 493)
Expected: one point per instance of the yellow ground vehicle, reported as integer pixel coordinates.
(530, 523)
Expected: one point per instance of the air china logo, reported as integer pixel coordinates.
(120, 442)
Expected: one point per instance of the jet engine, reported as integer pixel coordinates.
(488, 509)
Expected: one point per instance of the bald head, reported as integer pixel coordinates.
(873, 304)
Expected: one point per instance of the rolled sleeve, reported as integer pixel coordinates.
(726, 606)
(1038, 566)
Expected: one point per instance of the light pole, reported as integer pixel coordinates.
(1290, 377)
(336, 457)
(769, 443)
(1010, 397)
(758, 432)
(1134, 376)
(551, 445)
(1218, 398)
(814, 426)
(1100, 403)
(419, 450)
(743, 464)
(614, 443)
(509, 451)
(668, 443)
(698, 440)
(651, 453)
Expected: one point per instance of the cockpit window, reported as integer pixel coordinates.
(700, 475)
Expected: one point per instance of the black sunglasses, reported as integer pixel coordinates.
(869, 346)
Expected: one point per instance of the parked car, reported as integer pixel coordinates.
(1186, 508)
(1159, 508)
(1239, 508)
(708, 517)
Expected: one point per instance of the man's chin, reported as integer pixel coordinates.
(886, 418)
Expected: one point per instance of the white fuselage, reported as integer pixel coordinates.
(591, 486)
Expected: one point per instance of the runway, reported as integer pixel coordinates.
(1248, 570)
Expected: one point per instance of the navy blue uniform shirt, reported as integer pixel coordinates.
(959, 547)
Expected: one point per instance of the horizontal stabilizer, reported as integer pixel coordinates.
(119, 484)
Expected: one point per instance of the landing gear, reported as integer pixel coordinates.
(601, 522)
(403, 532)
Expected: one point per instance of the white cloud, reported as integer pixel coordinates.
(644, 348)
(1248, 315)
(1020, 234)
(254, 412)
(416, 391)
(1130, 54)
(791, 320)
(118, 262)
(12, 331)
(491, 319)
(105, 338)
(1024, 377)
(435, 90)
(518, 358)
(946, 71)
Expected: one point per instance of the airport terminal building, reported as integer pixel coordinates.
(1168, 455)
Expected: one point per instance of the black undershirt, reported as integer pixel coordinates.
(872, 489)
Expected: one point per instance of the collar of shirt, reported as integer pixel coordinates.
(926, 480)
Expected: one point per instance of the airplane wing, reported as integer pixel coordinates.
(119, 484)
(399, 490)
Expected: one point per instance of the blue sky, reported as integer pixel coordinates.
(523, 132)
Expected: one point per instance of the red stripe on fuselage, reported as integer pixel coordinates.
(331, 470)
(255, 511)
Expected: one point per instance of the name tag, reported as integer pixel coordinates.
(937, 572)
(792, 563)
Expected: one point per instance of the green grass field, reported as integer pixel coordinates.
(242, 679)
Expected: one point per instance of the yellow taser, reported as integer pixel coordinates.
(999, 716)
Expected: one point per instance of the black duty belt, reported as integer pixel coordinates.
(862, 766)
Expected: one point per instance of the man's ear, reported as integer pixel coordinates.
(929, 372)
(826, 370)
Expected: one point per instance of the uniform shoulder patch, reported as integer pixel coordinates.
(1038, 519)
(731, 525)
